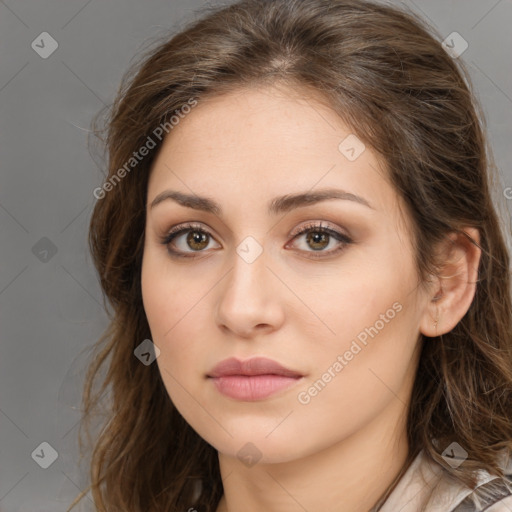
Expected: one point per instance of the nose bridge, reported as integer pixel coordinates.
(249, 275)
(248, 298)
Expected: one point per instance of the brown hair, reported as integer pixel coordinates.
(388, 77)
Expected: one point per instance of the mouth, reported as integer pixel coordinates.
(253, 379)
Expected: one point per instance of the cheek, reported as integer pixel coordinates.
(345, 305)
(362, 372)
(372, 331)
(380, 334)
(175, 307)
(168, 297)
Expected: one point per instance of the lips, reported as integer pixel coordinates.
(251, 367)
(254, 379)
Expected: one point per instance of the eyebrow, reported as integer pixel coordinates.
(281, 204)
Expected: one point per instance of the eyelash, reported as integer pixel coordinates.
(311, 227)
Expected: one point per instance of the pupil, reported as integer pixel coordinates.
(317, 238)
(195, 237)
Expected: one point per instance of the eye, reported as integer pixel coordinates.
(318, 238)
(196, 239)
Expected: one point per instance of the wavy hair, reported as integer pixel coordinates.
(386, 74)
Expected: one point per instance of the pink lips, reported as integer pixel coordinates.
(253, 379)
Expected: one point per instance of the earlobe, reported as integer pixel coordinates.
(455, 286)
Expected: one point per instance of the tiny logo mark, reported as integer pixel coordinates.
(44, 250)
(146, 352)
(45, 455)
(455, 45)
(249, 249)
(44, 45)
(454, 455)
(351, 147)
(249, 454)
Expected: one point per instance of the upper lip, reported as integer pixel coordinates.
(253, 366)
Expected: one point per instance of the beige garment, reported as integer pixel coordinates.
(425, 484)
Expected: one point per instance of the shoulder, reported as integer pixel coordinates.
(427, 487)
(493, 495)
(503, 505)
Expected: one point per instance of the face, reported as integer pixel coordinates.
(326, 287)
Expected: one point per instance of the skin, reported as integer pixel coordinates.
(342, 449)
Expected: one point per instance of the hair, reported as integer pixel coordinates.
(387, 76)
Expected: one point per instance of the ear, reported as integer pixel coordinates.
(454, 288)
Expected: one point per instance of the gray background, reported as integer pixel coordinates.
(50, 302)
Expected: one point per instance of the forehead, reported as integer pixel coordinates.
(259, 118)
(262, 142)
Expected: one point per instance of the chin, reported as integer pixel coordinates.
(257, 446)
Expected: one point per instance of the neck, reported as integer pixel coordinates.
(350, 476)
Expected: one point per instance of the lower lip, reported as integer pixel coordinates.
(256, 387)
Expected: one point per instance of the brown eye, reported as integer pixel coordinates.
(196, 241)
(318, 238)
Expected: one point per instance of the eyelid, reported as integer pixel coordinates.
(185, 227)
(320, 226)
(338, 234)
(179, 229)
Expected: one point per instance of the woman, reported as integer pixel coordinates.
(309, 284)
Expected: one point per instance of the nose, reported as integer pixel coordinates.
(249, 301)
